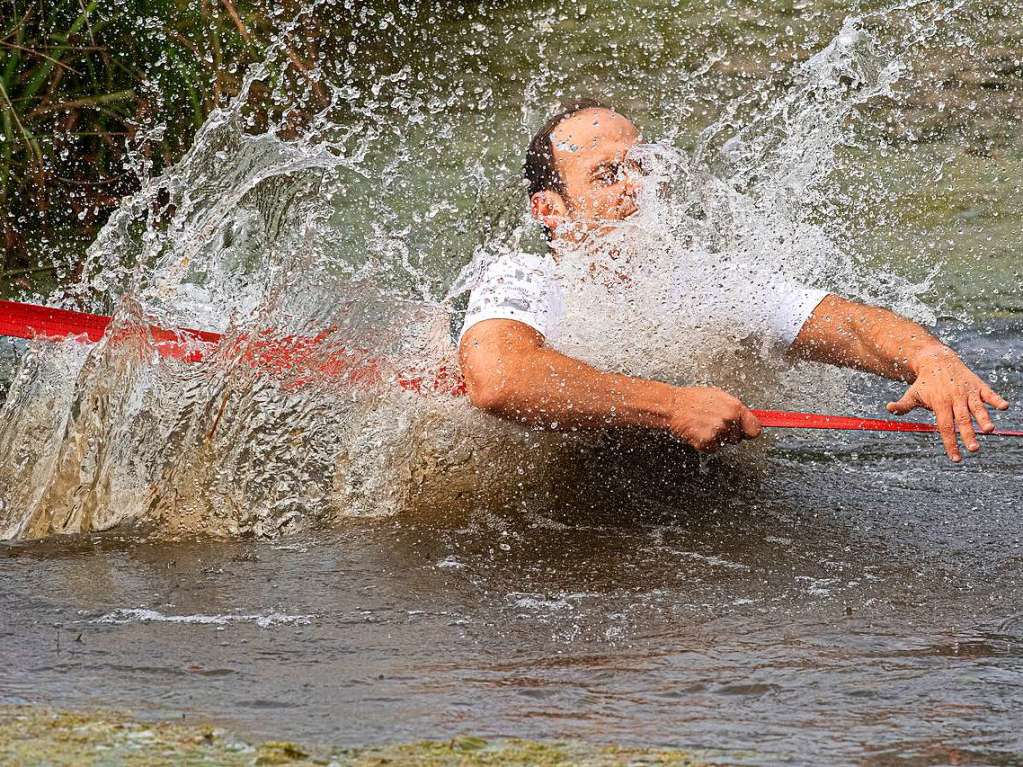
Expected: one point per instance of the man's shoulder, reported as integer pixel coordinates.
(518, 266)
(519, 259)
(514, 286)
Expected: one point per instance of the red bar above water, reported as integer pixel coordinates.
(20, 320)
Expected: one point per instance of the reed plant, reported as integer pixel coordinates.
(83, 83)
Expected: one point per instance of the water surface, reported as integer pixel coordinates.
(859, 603)
(847, 599)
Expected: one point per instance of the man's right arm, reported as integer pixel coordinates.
(510, 373)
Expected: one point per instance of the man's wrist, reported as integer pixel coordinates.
(648, 404)
(929, 353)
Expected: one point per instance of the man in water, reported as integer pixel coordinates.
(579, 185)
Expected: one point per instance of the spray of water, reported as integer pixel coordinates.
(312, 205)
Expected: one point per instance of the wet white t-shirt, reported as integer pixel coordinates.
(519, 287)
(538, 292)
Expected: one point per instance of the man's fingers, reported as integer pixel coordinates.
(964, 423)
(731, 436)
(991, 397)
(751, 427)
(735, 429)
(946, 428)
(980, 413)
(905, 404)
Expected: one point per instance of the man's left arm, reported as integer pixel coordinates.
(846, 333)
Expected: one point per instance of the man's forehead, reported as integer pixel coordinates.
(591, 131)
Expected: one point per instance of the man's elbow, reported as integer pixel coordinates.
(495, 358)
(490, 393)
(490, 382)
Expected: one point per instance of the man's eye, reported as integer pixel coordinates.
(610, 174)
(637, 167)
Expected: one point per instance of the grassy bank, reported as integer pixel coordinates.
(30, 735)
(82, 85)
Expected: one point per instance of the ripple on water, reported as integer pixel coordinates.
(123, 616)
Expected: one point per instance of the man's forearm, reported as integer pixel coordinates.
(510, 373)
(549, 389)
(842, 332)
(868, 338)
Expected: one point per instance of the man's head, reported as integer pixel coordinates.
(576, 167)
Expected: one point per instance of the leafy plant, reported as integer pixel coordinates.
(79, 80)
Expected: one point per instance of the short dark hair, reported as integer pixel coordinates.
(540, 169)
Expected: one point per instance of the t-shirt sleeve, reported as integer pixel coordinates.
(514, 287)
(787, 307)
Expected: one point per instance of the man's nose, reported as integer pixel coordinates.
(633, 182)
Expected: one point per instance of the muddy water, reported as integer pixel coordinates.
(859, 602)
(851, 599)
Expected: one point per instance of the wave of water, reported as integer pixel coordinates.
(306, 207)
(266, 620)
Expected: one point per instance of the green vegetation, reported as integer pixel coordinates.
(30, 735)
(81, 83)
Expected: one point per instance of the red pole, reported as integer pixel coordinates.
(21, 320)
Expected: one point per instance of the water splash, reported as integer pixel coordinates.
(127, 615)
(313, 205)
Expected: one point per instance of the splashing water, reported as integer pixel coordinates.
(310, 207)
(140, 615)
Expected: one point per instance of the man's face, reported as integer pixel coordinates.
(590, 150)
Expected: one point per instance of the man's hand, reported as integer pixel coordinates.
(708, 418)
(954, 393)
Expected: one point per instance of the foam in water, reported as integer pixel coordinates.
(267, 620)
(291, 215)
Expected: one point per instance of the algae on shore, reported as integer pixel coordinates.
(40, 736)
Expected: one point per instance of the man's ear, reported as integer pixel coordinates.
(548, 208)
